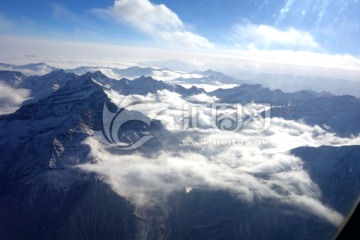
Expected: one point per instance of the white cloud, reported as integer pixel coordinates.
(156, 20)
(327, 214)
(147, 16)
(146, 181)
(11, 98)
(267, 37)
(185, 38)
(251, 164)
(167, 75)
(202, 98)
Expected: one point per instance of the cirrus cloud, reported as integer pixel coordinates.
(5, 23)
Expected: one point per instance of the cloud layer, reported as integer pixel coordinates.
(254, 165)
(156, 20)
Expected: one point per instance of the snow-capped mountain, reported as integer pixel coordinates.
(293, 83)
(40, 145)
(42, 86)
(140, 86)
(213, 77)
(339, 114)
(129, 73)
(246, 93)
(11, 96)
(39, 86)
(340, 175)
(58, 182)
(209, 79)
(10, 78)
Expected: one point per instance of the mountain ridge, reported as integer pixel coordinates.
(42, 147)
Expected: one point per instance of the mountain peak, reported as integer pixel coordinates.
(81, 81)
(74, 92)
(210, 72)
(97, 74)
(251, 86)
(139, 68)
(56, 72)
(11, 78)
(145, 79)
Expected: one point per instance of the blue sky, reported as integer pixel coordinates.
(332, 26)
(231, 33)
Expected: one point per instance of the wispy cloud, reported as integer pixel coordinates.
(156, 20)
(203, 98)
(5, 23)
(79, 22)
(248, 35)
(59, 11)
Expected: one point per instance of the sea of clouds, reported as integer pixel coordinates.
(253, 163)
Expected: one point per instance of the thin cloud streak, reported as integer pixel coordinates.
(5, 23)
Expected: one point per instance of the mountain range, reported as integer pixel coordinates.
(45, 193)
(208, 79)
